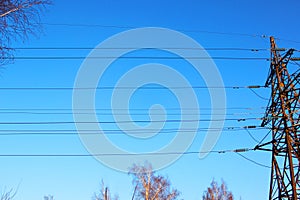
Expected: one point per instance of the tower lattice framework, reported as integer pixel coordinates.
(283, 117)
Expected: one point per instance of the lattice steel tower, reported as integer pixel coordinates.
(282, 116)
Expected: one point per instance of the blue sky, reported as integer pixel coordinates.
(213, 24)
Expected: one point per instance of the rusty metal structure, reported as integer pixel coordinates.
(283, 118)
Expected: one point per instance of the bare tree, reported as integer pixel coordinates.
(8, 195)
(49, 197)
(216, 192)
(149, 186)
(104, 194)
(18, 19)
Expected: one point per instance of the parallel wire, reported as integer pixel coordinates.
(167, 153)
(237, 151)
(124, 122)
(11, 132)
(231, 58)
(141, 154)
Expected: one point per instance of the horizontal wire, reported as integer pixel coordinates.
(286, 40)
(131, 87)
(119, 131)
(146, 48)
(124, 113)
(130, 109)
(132, 57)
(137, 130)
(130, 121)
(122, 154)
(134, 27)
(115, 132)
(167, 153)
(149, 48)
(237, 151)
(263, 36)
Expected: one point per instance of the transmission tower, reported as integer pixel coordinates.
(282, 116)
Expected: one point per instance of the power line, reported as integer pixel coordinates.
(253, 138)
(261, 141)
(131, 87)
(150, 48)
(252, 161)
(131, 109)
(65, 132)
(237, 151)
(263, 36)
(134, 57)
(125, 113)
(132, 27)
(124, 122)
(75, 48)
(233, 128)
(126, 154)
(287, 40)
(295, 63)
(258, 95)
(146, 48)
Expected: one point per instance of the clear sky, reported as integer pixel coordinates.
(78, 24)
